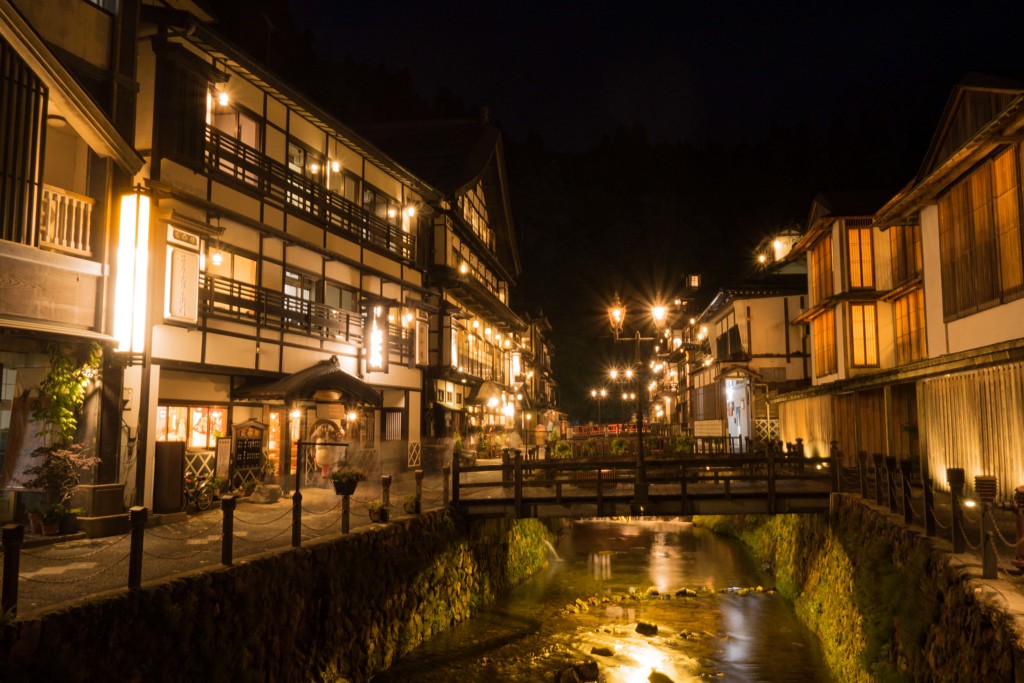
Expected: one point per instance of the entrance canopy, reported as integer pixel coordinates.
(326, 375)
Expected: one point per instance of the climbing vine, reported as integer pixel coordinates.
(62, 392)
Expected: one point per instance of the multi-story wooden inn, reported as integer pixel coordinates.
(285, 283)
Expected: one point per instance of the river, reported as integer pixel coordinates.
(727, 636)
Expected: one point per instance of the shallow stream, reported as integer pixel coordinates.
(612, 566)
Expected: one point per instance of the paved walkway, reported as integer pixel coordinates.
(72, 570)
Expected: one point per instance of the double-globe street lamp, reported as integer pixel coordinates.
(617, 318)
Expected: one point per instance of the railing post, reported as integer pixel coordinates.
(833, 451)
(13, 535)
(227, 506)
(890, 482)
(137, 519)
(771, 483)
(518, 480)
(448, 476)
(506, 468)
(456, 475)
(908, 509)
(862, 464)
(877, 459)
(346, 510)
(296, 518)
(600, 494)
(955, 477)
(929, 508)
(419, 491)
(385, 497)
(989, 563)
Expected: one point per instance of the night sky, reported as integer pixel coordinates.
(651, 140)
(688, 71)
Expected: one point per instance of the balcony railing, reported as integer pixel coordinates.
(271, 178)
(239, 301)
(65, 221)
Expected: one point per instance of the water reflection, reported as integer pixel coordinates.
(611, 565)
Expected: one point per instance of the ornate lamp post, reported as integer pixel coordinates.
(617, 318)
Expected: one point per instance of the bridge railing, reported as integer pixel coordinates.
(583, 480)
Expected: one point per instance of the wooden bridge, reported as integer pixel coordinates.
(719, 484)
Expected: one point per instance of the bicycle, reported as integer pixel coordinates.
(196, 491)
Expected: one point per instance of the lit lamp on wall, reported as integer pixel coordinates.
(131, 289)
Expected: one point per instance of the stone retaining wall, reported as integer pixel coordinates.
(341, 608)
(887, 602)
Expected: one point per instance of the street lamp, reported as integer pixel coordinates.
(617, 319)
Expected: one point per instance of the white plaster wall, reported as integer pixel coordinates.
(936, 328)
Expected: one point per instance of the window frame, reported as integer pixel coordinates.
(867, 344)
(825, 345)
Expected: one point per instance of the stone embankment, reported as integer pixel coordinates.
(887, 602)
(339, 608)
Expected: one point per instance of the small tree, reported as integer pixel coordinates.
(59, 472)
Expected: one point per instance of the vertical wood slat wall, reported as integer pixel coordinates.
(809, 419)
(975, 420)
(22, 127)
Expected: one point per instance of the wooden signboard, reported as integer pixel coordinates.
(249, 440)
(223, 464)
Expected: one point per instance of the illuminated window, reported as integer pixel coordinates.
(864, 335)
(861, 266)
(905, 246)
(980, 237)
(821, 270)
(198, 426)
(823, 330)
(240, 142)
(909, 319)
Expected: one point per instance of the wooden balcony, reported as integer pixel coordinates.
(65, 222)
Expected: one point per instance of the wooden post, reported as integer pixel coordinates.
(929, 507)
(908, 509)
(296, 519)
(456, 474)
(955, 477)
(13, 535)
(862, 464)
(890, 483)
(227, 506)
(833, 451)
(989, 563)
(600, 494)
(419, 491)
(385, 497)
(771, 483)
(346, 510)
(518, 482)
(877, 458)
(137, 519)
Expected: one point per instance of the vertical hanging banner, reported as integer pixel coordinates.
(376, 338)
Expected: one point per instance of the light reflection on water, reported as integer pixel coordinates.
(746, 639)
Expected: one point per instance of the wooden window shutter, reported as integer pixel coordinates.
(22, 129)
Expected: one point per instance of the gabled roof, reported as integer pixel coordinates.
(828, 207)
(452, 155)
(771, 286)
(304, 384)
(982, 112)
(84, 115)
(975, 101)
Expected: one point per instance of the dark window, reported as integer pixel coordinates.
(183, 82)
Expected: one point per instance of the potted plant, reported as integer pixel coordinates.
(35, 521)
(52, 516)
(59, 472)
(410, 504)
(378, 511)
(345, 479)
(618, 446)
(685, 443)
(69, 523)
(563, 450)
